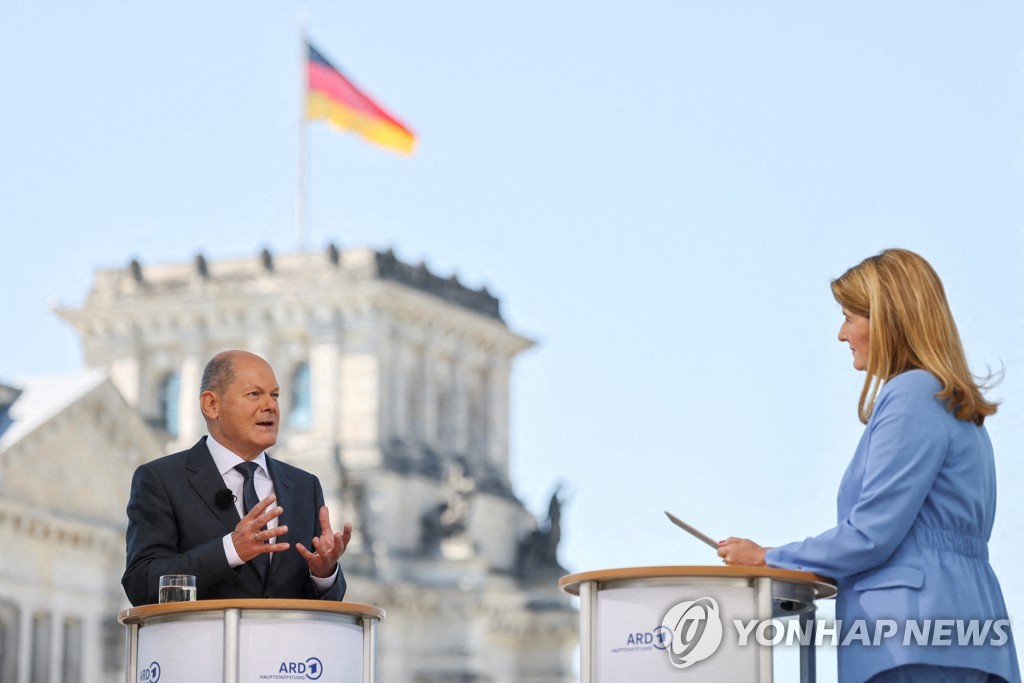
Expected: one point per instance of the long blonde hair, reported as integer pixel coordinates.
(910, 326)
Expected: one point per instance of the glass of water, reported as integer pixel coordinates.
(177, 588)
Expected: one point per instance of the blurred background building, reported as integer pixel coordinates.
(395, 392)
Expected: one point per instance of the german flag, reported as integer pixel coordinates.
(333, 97)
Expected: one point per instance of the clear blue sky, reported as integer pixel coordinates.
(660, 192)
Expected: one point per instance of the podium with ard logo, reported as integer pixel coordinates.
(243, 641)
(698, 624)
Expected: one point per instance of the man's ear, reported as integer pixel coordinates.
(209, 403)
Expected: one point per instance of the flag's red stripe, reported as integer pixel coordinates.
(333, 84)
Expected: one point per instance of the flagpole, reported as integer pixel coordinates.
(301, 209)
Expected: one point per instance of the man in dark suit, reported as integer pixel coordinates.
(196, 512)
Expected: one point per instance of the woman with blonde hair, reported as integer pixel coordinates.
(917, 503)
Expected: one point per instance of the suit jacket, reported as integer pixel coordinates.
(176, 527)
(915, 512)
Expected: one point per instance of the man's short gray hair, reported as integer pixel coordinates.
(218, 374)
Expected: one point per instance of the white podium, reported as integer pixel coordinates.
(250, 641)
(693, 624)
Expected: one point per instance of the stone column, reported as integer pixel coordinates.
(387, 358)
(124, 373)
(260, 337)
(191, 424)
(415, 396)
(428, 395)
(496, 390)
(460, 404)
(397, 421)
(444, 418)
(325, 382)
(360, 395)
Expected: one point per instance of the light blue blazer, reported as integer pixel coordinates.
(915, 512)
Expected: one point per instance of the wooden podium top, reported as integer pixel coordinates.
(137, 615)
(822, 587)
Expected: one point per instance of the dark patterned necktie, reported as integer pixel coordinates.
(249, 500)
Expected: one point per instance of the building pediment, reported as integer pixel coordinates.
(72, 445)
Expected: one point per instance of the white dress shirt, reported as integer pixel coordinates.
(225, 460)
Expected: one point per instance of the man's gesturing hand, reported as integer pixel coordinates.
(249, 536)
(328, 546)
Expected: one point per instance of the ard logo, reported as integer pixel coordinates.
(151, 674)
(312, 668)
